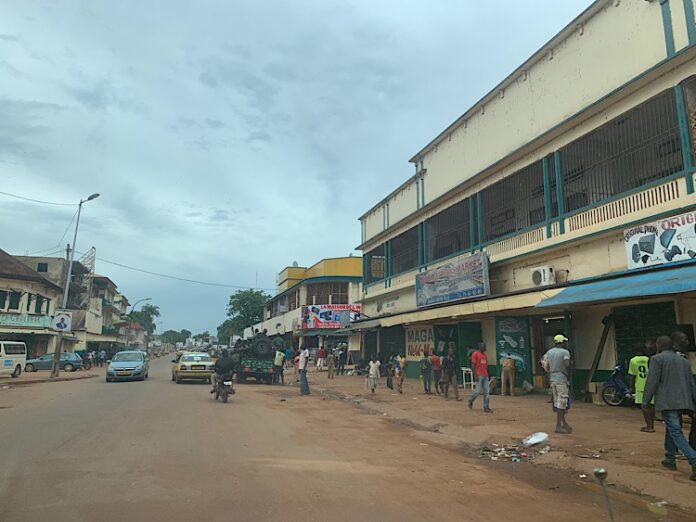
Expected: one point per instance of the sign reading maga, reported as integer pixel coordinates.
(419, 339)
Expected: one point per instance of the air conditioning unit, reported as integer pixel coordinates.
(543, 276)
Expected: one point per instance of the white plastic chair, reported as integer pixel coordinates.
(467, 371)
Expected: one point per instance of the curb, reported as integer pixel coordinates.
(41, 381)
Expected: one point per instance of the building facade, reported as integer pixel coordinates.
(524, 218)
(28, 301)
(313, 305)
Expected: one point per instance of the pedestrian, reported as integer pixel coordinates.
(436, 362)
(508, 366)
(342, 359)
(279, 362)
(480, 363)
(400, 367)
(638, 375)
(449, 374)
(303, 364)
(373, 373)
(296, 364)
(330, 364)
(390, 374)
(671, 383)
(426, 368)
(321, 354)
(556, 362)
(102, 357)
(288, 357)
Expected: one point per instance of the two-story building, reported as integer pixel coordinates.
(312, 305)
(28, 301)
(561, 202)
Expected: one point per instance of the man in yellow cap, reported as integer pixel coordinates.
(556, 362)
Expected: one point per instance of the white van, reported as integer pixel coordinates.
(13, 357)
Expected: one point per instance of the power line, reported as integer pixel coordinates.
(60, 241)
(39, 201)
(176, 278)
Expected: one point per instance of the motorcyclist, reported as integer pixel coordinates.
(223, 366)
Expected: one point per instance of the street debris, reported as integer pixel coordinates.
(582, 476)
(511, 453)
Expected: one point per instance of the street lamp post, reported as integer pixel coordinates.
(130, 320)
(55, 369)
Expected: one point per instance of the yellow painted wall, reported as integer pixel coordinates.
(290, 276)
(339, 266)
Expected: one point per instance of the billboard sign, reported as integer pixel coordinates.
(62, 321)
(665, 241)
(329, 315)
(462, 278)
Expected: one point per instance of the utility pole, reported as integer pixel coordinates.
(55, 369)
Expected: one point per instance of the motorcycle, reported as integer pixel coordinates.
(614, 391)
(223, 387)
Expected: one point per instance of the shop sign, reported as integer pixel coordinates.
(329, 315)
(419, 339)
(462, 278)
(62, 321)
(512, 342)
(665, 241)
(25, 320)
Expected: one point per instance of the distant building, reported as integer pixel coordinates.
(28, 301)
(313, 305)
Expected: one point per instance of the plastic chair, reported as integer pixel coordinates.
(467, 371)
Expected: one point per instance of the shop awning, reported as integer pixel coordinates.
(323, 332)
(362, 325)
(643, 284)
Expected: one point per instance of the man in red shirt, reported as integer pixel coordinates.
(479, 363)
(437, 371)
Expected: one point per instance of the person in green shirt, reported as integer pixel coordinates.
(638, 370)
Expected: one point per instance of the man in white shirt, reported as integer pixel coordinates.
(304, 362)
(373, 375)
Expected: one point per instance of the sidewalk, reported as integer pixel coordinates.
(602, 436)
(45, 376)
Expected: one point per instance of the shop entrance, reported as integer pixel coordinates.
(463, 337)
(639, 323)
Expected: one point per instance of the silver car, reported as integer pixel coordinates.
(128, 366)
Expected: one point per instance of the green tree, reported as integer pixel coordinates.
(173, 337)
(145, 317)
(225, 331)
(200, 336)
(185, 334)
(245, 309)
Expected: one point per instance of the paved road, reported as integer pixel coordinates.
(92, 451)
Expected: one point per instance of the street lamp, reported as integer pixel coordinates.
(130, 320)
(55, 369)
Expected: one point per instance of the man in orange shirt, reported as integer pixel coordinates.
(479, 361)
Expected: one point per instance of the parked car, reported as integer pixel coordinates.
(13, 355)
(198, 366)
(127, 366)
(69, 362)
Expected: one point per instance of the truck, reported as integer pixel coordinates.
(254, 358)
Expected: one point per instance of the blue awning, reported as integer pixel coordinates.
(649, 283)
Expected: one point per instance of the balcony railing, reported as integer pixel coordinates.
(109, 330)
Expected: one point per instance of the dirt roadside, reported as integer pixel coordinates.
(603, 437)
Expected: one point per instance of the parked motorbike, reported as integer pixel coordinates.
(614, 391)
(223, 388)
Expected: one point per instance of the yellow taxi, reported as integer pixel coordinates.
(192, 366)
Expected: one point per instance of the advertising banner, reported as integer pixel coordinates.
(462, 278)
(512, 342)
(329, 315)
(62, 321)
(419, 339)
(665, 241)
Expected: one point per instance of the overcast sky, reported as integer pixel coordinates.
(231, 138)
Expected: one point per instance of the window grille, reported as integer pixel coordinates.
(448, 232)
(632, 150)
(404, 251)
(374, 265)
